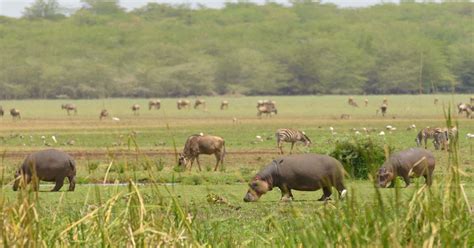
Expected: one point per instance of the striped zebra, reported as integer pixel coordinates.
(290, 135)
(440, 136)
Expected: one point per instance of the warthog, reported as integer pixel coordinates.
(183, 103)
(156, 104)
(69, 107)
(136, 109)
(48, 165)
(15, 113)
(224, 104)
(202, 144)
(199, 102)
(103, 114)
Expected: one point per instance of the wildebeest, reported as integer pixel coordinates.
(199, 102)
(306, 172)
(69, 107)
(383, 109)
(183, 103)
(47, 165)
(1, 111)
(202, 144)
(292, 136)
(224, 104)
(103, 114)
(136, 109)
(15, 113)
(154, 104)
(413, 162)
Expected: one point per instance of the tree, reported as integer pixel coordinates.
(103, 7)
(49, 9)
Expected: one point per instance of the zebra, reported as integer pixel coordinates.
(440, 136)
(15, 113)
(69, 107)
(156, 104)
(183, 103)
(103, 114)
(136, 109)
(199, 102)
(224, 104)
(290, 135)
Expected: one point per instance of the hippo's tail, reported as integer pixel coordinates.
(72, 164)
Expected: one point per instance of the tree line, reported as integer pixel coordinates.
(101, 50)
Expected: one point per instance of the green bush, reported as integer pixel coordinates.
(360, 156)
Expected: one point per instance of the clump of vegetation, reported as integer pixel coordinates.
(360, 156)
(92, 166)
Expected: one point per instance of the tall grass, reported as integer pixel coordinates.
(430, 216)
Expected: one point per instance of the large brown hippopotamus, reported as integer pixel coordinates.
(306, 172)
(49, 165)
(413, 162)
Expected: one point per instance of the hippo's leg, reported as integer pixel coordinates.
(326, 194)
(59, 184)
(341, 189)
(429, 178)
(72, 182)
(286, 193)
(406, 178)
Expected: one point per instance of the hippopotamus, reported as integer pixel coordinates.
(413, 162)
(49, 165)
(306, 172)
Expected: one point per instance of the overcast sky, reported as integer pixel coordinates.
(14, 8)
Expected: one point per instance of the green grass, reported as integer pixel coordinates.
(180, 214)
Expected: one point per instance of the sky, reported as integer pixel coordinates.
(14, 8)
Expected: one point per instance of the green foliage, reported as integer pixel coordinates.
(360, 157)
(243, 48)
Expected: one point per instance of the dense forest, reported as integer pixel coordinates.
(101, 50)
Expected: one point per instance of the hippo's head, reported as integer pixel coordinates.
(16, 183)
(182, 160)
(384, 176)
(257, 188)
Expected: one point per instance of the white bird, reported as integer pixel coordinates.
(43, 138)
(393, 129)
(382, 133)
(54, 139)
(413, 126)
(331, 128)
(115, 119)
(357, 133)
(259, 138)
(388, 127)
(470, 135)
(201, 134)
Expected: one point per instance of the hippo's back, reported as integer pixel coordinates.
(50, 159)
(412, 155)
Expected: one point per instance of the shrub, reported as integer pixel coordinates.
(360, 156)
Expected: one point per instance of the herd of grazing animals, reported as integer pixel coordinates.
(309, 172)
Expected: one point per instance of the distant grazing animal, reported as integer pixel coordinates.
(306, 172)
(352, 102)
(154, 104)
(69, 107)
(471, 100)
(292, 136)
(345, 116)
(465, 107)
(1, 111)
(183, 103)
(15, 113)
(441, 136)
(47, 165)
(224, 104)
(136, 109)
(413, 162)
(267, 107)
(366, 101)
(425, 134)
(383, 109)
(199, 102)
(385, 101)
(202, 144)
(436, 101)
(103, 114)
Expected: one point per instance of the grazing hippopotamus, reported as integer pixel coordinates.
(50, 165)
(413, 162)
(306, 172)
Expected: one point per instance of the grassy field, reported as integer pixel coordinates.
(184, 208)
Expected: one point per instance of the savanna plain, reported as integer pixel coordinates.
(130, 191)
